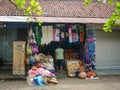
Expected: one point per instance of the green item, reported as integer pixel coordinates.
(38, 33)
(28, 49)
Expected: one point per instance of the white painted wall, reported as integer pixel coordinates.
(107, 48)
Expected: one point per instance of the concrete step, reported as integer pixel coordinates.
(108, 71)
(6, 66)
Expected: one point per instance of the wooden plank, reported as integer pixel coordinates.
(18, 57)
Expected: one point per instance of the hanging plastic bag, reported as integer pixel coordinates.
(32, 37)
(34, 48)
(32, 59)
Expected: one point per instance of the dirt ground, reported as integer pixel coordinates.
(101, 83)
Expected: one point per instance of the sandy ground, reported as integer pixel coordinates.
(101, 83)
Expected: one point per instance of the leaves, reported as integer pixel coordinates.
(114, 20)
(29, 7)
(87, 2)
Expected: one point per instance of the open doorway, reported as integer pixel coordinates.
(7, 36)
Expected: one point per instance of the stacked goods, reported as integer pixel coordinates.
(41, 74)
(72, 67)
(85, 71)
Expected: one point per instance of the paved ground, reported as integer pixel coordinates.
(103, 83)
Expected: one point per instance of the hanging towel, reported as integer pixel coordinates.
(57, 34)
(70, 33)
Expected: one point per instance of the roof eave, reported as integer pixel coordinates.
(53, 19)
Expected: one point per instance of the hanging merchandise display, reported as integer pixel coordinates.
(47, 34)
(41, 71)
(60, 34)
(90, 44)
(34, 48)
(81, 29)
(28, 48)
(75, 36)
(79, 53)
(63, 34)
(82, 36)
(31, 48)
(73, 33)
(38, 33)
(82, 33)
(31, 37)
(43, 35)
(54, 30)
(70, 33)
(83, 51)
(32, 60)
(56, 36)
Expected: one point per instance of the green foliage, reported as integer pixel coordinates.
(87, 2)
(114, 20)
(30, 7)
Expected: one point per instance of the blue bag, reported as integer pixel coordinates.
(39, 80)
(32, 59)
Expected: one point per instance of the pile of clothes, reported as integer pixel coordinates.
(42, 72)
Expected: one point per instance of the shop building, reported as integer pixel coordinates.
(60, 15)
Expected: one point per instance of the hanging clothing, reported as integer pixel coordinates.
(38, 33)
(47, 34)
(50, 34)
(82, 36)
(70, 33)
(75, 36)
(73, 33)
(90, 45)
(63, 34)
(43, 35)
(57, 34)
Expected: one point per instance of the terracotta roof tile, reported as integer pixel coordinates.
(61, 8)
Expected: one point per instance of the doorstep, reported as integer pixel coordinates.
(9, 76)
(108, 72)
